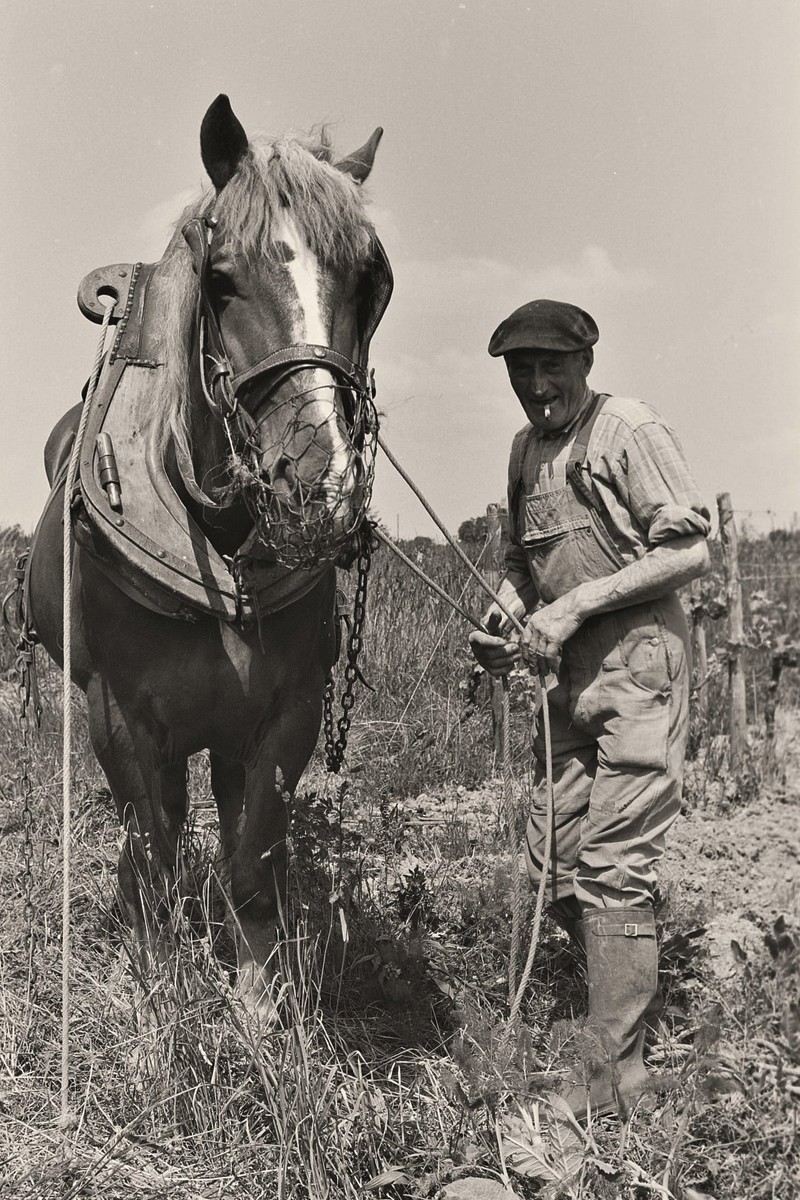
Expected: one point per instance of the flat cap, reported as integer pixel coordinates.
(544, 325)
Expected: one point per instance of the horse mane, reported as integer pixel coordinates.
(328, 209)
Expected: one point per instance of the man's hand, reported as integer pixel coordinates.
(495, 654)
(546, 632)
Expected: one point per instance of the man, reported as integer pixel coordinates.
(605, 526)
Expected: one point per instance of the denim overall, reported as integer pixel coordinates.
(619, 711)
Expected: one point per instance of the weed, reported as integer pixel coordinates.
(387, 1071)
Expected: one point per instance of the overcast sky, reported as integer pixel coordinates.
(636, 157)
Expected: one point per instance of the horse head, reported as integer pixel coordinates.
(292, 283)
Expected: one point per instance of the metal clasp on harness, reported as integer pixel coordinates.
(631, 929)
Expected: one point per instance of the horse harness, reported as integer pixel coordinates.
(153, 548)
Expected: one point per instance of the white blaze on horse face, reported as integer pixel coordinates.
(311, 324)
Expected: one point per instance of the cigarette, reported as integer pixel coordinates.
(547, 412)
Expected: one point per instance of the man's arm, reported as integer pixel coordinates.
(663, 569)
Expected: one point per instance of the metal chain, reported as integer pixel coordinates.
(336, 746)
(327, 718)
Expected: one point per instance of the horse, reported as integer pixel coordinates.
(240, 379)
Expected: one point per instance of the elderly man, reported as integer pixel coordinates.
(605, 525)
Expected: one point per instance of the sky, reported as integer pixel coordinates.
(637, 159)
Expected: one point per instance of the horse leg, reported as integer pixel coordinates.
(258, 886)
(258, 864)
(227, 785)
(151, 800)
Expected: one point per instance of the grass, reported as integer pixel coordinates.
(388, 1072)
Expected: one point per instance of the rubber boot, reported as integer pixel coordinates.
(567, 915)
(622, 966)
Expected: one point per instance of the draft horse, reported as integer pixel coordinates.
(241, 451)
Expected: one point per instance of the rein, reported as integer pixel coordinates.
(516, 991)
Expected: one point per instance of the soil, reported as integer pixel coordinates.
(739, 857)
(732, 862)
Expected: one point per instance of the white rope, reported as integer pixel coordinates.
(67, 1118)
(518, 905)
(542, 889)
(512, 823)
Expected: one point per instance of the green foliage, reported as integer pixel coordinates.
(473, 531)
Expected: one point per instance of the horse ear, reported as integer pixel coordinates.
(223, 142)
(359, 163)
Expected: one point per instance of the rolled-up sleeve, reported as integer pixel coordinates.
(654, 481)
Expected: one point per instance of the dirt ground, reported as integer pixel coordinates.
(740, 859)
(732, 862)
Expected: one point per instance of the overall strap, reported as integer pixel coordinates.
(574, 465)
(580, 446)
(519, 450)
(576, 469)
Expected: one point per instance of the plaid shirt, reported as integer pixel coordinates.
(638, 472)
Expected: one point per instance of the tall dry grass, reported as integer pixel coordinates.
(386, 1071)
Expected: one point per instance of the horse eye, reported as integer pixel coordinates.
(222, 282)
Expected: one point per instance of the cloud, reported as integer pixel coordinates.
(456, 278)
(433, 341)
(447, 405)
(155, 228)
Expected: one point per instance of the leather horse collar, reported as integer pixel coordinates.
(222, 386)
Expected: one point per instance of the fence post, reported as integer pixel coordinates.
(737, 698)
(699, 646)
(494, 551)
(493, 572)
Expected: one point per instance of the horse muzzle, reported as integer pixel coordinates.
(310, 482)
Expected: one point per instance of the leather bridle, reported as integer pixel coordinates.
(223, 387)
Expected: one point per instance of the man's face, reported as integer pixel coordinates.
(550, 385)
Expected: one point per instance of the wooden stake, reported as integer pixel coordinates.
(700, 649)
(737, 720)
(493, 573)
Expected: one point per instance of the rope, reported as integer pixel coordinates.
(518, 912)
(466, 560)
(519, 905)
(542, 889)
(432, 584)
(67, 1118)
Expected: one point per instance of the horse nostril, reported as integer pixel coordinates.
(283, 471)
